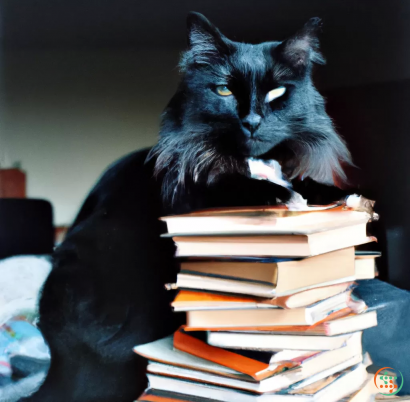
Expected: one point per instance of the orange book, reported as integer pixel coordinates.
(146, 397)
(254, 368)
(187, 300)
(193, 296)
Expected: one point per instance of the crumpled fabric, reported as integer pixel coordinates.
(24, 355)
(389, 343)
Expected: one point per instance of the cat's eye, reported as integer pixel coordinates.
(274, 94)
(223, 90)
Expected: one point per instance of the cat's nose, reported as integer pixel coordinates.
(251, 122)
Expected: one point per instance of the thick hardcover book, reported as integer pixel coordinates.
(269, 279)
(295, 244)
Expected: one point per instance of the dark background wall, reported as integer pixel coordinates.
(365, 41)
(85, 81)
(375, 121)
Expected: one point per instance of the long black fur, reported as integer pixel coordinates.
(105, 293)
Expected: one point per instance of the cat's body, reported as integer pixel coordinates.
(106, 291)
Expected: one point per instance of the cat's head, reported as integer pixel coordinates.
(238, 100)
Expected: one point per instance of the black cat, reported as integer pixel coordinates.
(106, 291)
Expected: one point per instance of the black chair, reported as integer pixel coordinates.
(26, 227)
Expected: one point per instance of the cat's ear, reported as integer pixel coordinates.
(302, 49)
(205, 41)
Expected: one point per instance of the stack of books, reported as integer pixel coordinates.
(270, 311)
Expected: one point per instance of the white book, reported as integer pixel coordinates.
(275, 342)
(308, 315)
(344, 385)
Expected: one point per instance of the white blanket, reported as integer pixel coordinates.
(21, 279)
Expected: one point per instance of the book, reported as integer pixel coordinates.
(365, 264)
(187, 300)
(334, 326)
(308, 315)
(275, 342)
(282, 275)
(269, 279)
(340, 386)
(255, 367)
(261, 220)
(319, 364)
(298, 244)
(149, 396)
(253, 275)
